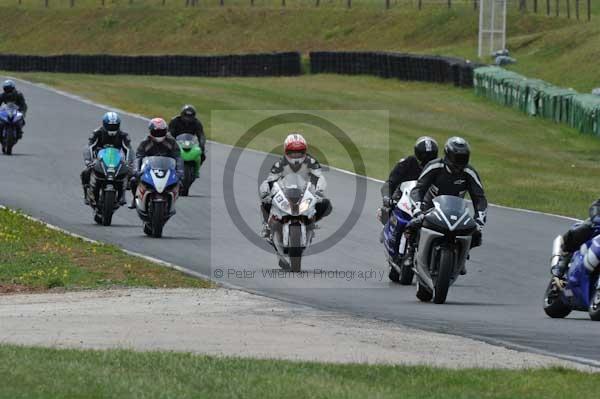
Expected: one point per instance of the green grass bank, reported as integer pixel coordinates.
(36, 258)
(43, 373)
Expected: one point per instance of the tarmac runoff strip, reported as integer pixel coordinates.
(224, 322)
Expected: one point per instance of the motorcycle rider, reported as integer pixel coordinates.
(10, 94)
(186, 122)
(451, 175)
(407, 169)
(158, 143)
(565, 245)
(295, 160)
(109, 134)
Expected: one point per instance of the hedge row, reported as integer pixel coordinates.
(272, 64)
(425, 68)
(538, 98)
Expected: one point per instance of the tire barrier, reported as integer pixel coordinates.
(270, 64)
(424, 68)
(538, 98)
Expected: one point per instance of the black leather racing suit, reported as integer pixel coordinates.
(406, 169)
(437, 179)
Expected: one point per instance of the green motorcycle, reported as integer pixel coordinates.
(191, 154)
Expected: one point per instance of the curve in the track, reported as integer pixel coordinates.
(499, 300)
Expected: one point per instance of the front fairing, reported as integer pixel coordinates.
(450, 215)
(159, 173)
(189, 147)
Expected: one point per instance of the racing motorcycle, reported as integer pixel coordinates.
(11, 120)
(580, 290)
(191, 154)
(393, 238)
(107, 184)
(156, 193)
(291, 220)
(444, 244)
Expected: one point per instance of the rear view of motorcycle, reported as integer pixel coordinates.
(444, 244)
(191, 154)
(107, 184)
(156, 193)
(393, 237)
(291, 220)
(11, 120)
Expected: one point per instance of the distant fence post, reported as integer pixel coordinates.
(557, 8)
(349, 3)
(569, 9)
(535, 6)
(420, 4)
(317, 2)
(589, 4)
(577, 9)
(221, 3)
(449, 3)
(475, 5)
(72, 3)
(548, 7)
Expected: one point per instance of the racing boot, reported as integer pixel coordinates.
(265, 232)
(121, 199)
(86, 200)
(409, 254)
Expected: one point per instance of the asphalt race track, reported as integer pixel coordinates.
(499, 300)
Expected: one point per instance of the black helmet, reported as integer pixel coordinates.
(457, 153)
(188, 112)
(426, 150)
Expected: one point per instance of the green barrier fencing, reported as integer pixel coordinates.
(538, 98)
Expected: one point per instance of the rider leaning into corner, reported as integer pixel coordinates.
(10, 94)
(109, 134)
(187, 122)
(406, 169)
(158, 143)
(451, 175)
(295, 160)
(565, 245)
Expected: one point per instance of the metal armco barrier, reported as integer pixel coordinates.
(424, 68)
(270, 64)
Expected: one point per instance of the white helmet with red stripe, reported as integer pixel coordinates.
(294, 148)
(158, 129)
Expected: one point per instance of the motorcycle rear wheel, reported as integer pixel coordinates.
(108, 207)
(442, 282)
(295, 249)
(553, 306)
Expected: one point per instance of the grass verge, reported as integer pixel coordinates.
(36, 258)
(524, 162)
(40, 373)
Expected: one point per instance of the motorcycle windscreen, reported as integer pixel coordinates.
(111, 157)
(293, 187)
(451, 214)
(159, 172)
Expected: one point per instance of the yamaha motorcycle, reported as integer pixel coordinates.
(156, 193)
(291, 220)
(107, 184)
(580, 291)
(444, 244)
(11, 120)
(393, 238)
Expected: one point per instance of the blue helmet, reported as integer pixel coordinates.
(8, 86)
(111, 122)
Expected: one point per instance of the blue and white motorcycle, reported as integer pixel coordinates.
(393, 236)
(580, 290)
(11, 120)
(156, 193)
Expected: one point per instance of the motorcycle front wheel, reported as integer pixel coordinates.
(295, 249)
(594, 310)
(442, 282)
(108, 207)
(158, 218)
(553, 305)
